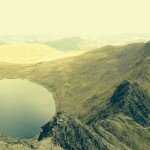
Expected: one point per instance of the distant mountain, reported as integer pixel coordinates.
(2, 42)
(71, 133)
(73, 44)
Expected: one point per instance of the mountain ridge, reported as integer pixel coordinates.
(106, 90)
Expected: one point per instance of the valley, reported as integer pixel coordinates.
(102, 97)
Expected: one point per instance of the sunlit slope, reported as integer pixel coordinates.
(106, 91)
(83, 83)
(30, 53)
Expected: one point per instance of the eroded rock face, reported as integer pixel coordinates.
(130, 99)
(72, 134)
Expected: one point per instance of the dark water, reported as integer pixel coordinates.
(24, 107)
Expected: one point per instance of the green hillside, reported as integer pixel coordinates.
(106, 90)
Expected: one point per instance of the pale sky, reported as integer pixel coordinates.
(74, 16)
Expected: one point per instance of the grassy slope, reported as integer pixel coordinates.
(24, 53)
(122, 130)
(83, 85)
(122, 124)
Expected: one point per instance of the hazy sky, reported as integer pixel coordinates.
(74, 16)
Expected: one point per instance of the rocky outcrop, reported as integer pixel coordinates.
(119, 125)
(7, 143)
(130, 99)
(71, 134)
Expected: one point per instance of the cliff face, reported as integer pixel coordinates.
(130, 99)
(71, 134)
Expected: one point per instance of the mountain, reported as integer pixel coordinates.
(82, 84)
(73, 44)
(102, 95)
(2, 42)
(131, 100)
(123, 119)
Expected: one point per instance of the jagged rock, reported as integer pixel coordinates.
(72, 134)
(132, 100)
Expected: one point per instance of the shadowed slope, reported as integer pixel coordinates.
(71, 134)
(132, 100)
(129, 99)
